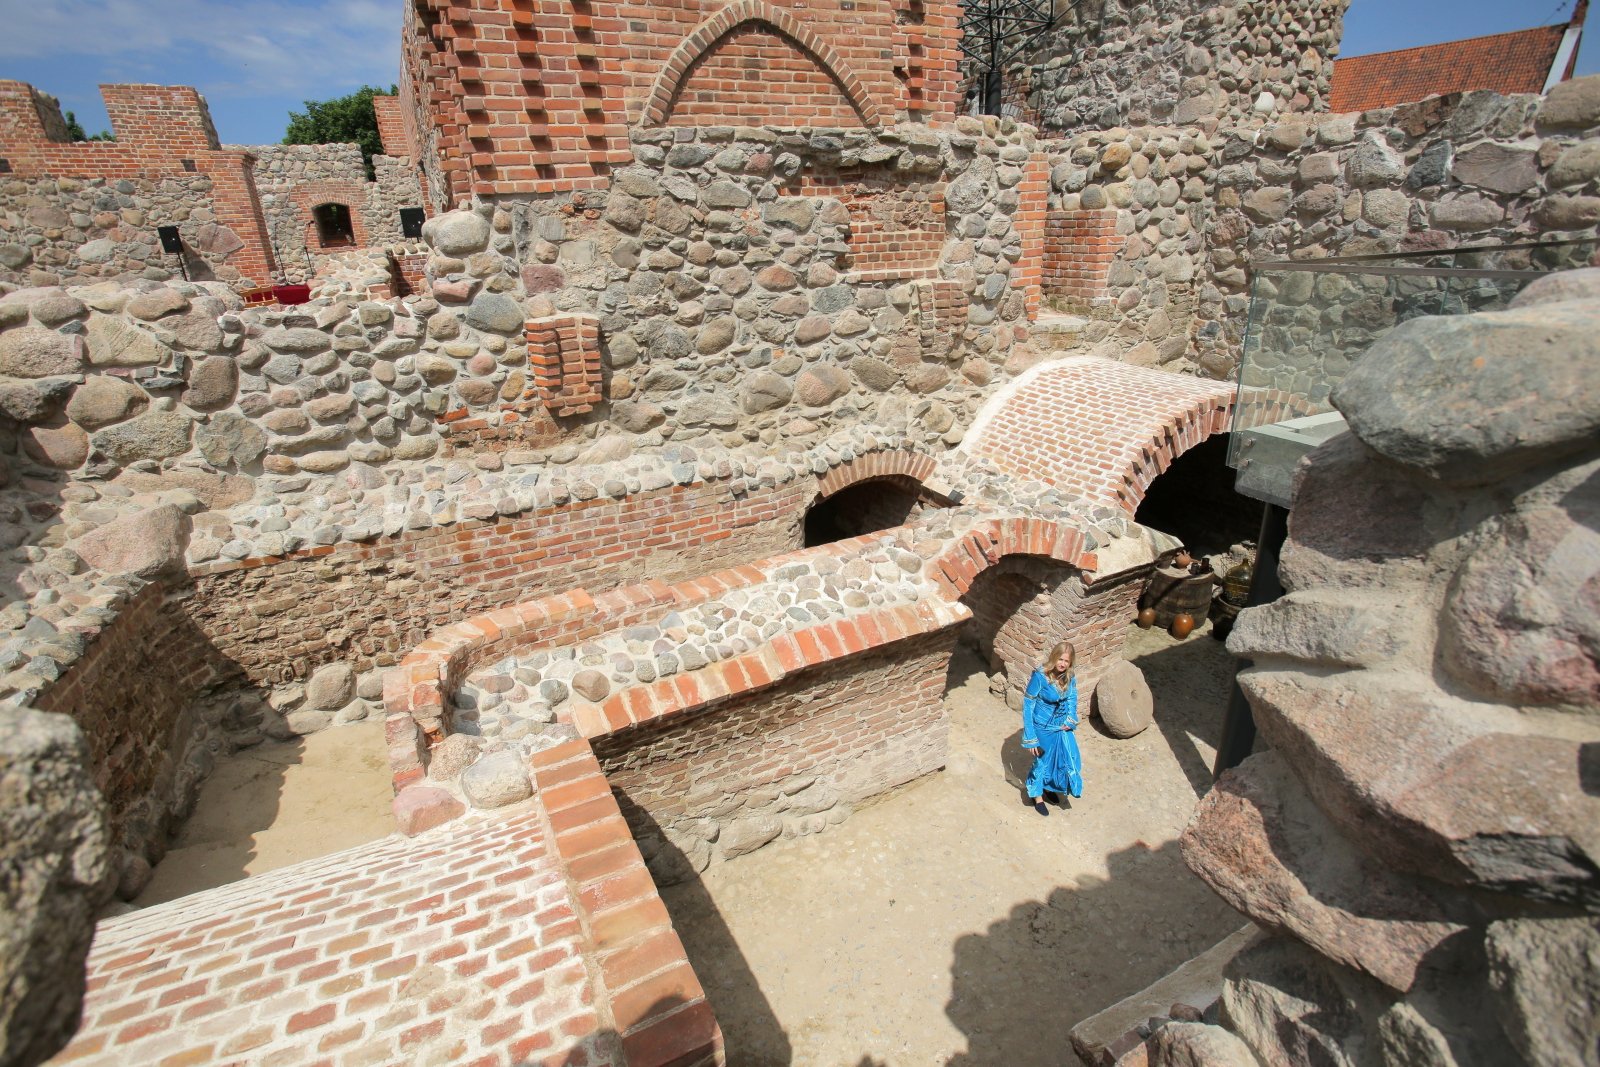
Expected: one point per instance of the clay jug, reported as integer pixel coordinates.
(1147, 618)
(1182, 559)
(1182, 625)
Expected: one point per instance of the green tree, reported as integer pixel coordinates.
(75, 131)
(342, 120)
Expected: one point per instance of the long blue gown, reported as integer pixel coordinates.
(1048, 718)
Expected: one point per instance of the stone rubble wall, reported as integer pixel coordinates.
(294, 179)
(1193, 207)
(78, 231)
(1421, 837)
(737, 299)
(1120, 63)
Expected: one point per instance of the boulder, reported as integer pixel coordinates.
(153, 435)
(820, 385)
(454, 754)
(146, 543)
(115, 342)
(1123, 701)
(212, 384)
(1266, 849)
(153, 305)
(34, 400)
(230, 438)
(591, 685)
(1522, 621)
(764, 391)
(34, 352)
(457, 233)
(63, 446)
(103, 400)
(1183, 1044)
(748, 834)
(1484, 394)
(496, 780)
(53, 848)
(1545, 974)
(1289, 1006)
(1499, 168)
(331, 687)
(418, 808)
(1572, 105)
(496, 313)
(1559, 286)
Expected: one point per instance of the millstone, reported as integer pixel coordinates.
(1123, 701)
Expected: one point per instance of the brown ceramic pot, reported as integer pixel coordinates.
(1147, 618)
(1182, 626)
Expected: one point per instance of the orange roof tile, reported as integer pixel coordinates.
(1517, 62)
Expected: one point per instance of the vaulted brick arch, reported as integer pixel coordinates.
(668, 83)
(1105, 430)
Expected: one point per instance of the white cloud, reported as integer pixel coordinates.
(290, 47)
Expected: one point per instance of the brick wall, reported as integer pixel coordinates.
(536, 96)
(788, 759)
(161, 131)
(897, 226)
(754, 76)
(1078, 249)
(392, 131)
(564, 355)
(275, 621)
(130, 693)
(1023, 606)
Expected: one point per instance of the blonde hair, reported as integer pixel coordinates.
(1049, 665)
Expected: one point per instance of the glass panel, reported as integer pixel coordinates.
(1310, 321)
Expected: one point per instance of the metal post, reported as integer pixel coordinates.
(1239, 724)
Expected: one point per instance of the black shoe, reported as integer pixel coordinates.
(1039, 806)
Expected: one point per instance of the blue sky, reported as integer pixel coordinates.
(255, 60)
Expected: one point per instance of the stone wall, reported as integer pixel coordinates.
(1420, 840)
(293, 180)
(759, 284)
(77, 212)
(1120, 63)
(1193, 208)
(785, 761)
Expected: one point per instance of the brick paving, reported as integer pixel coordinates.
(473, 945)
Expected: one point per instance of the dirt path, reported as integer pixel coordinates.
(949, 923)
(279, 803)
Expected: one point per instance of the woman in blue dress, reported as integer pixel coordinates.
(1049, 715)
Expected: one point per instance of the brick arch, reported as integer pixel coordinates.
(914, 465)
(664, 91)
(353, 195)
(987, 542)
(1105, 430)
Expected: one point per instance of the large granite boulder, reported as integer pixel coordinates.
(54, 876)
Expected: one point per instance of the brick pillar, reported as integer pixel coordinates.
(1033, 196)
(172, 117)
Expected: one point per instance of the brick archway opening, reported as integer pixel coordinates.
(1193, 499)
(864, 507)
(334, 226)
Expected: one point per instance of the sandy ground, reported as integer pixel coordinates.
(279, 803)
(950, 923)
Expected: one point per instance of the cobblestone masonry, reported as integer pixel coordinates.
(74, 213)
(1190, 206)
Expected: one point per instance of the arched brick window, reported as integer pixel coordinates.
(334, 228)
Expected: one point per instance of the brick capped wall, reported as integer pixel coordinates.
(1078, 249)
(897, 227)
(392, 132)
(163, 132)
(276, 621)
(787, 759)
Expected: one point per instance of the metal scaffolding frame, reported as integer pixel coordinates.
(994, 32)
